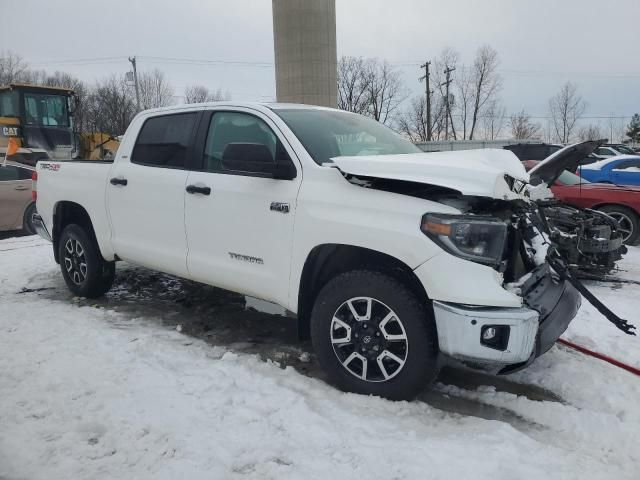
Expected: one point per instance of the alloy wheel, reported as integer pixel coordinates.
(75, 261)
(369, 339)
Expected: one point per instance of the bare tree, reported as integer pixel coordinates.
(200, 94)
(615, 127)
(384, 90)
(486, 80)
(353, 95)
(566, 107)
(413, 122)
(522, 128)
(12, 68)
(464, 99)
(155, 90)
(111, 106)
(493, 120)
(590, 132)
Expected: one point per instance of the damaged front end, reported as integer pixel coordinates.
(533, 266)
(504, 340)
(509, 293)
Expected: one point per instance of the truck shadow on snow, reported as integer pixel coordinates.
(245, 325)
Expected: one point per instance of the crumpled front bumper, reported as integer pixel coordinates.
(550, 304)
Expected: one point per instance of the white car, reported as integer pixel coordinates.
(393, 260)
(608, 151)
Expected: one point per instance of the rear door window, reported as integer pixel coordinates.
(164, 141)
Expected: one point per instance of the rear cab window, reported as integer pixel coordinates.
(164, 141)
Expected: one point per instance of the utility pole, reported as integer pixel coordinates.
(428, 94)
(447, 72)
(135, 80)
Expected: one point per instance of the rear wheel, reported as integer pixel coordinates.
(373, 336)
(85, 272)
(627, 219)
(27, 222)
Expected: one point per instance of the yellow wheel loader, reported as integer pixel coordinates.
(40, 120)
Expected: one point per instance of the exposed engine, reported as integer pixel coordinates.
(588, 240)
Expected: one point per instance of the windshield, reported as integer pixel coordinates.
(46, 110)
(568, 178)
(329, 133)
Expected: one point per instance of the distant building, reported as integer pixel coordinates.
(304, 38)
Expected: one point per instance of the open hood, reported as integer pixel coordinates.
(567, 158)
(483, 173)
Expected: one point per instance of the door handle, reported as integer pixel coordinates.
(21, 188)
(118, 181)
(195, 189)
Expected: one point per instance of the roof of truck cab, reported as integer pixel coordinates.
(234, 104)
(30, 86)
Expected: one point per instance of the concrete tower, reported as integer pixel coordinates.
(304, 38)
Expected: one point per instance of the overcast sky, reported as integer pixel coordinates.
(541, 43)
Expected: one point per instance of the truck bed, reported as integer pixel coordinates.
(77, 181)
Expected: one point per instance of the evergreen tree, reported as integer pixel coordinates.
(633, 129)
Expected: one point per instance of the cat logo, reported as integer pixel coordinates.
(10, 131)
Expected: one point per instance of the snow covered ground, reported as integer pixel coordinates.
(99, 391)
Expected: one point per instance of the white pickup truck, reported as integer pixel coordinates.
(394, 261)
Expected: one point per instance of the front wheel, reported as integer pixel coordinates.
(373, 336)
(85, 272)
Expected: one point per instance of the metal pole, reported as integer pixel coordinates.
(428, 94)
(447, 72)
(135, 81)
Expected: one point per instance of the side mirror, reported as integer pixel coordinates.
(256, 158)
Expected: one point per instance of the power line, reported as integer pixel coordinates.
(265, 64)
(195, 61)
(79, 61)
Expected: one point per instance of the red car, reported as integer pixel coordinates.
(620, 202)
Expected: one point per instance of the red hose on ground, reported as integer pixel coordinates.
(600, 356)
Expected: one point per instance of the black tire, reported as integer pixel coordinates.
(27, 222)
(97, 276)
(626, 217)
(415, 321)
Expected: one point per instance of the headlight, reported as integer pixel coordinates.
(475, 238)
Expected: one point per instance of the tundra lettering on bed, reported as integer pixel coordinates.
(393, 260)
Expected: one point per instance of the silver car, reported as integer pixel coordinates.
(16, 205)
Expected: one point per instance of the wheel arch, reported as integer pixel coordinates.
(67, 212)
(598, 206)
(326, 261)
